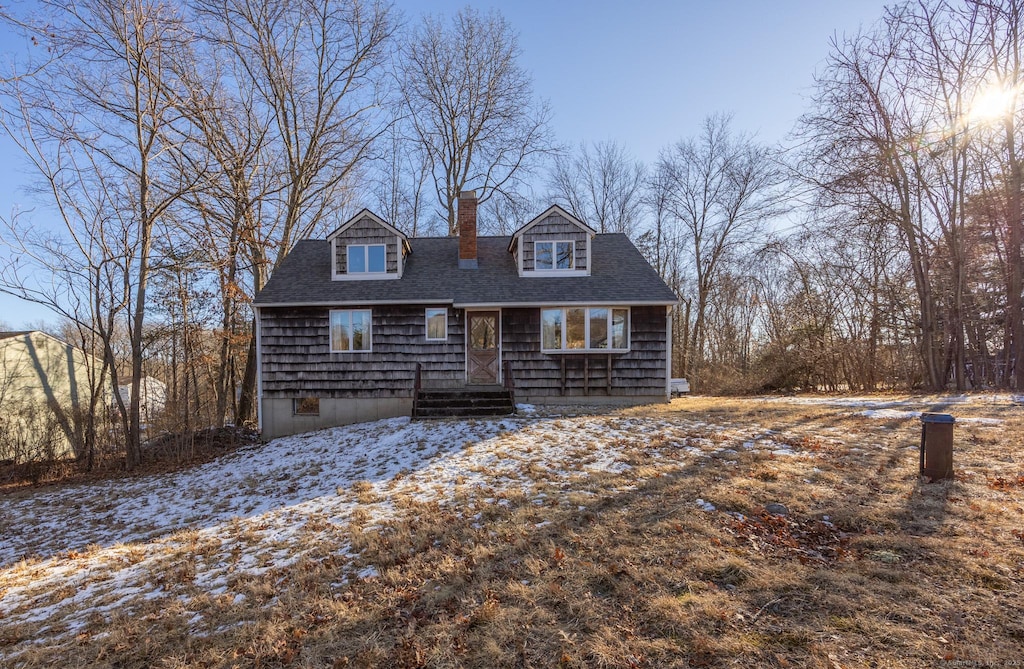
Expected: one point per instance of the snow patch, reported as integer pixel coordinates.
(704, 506)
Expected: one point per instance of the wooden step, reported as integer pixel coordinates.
(447, 403)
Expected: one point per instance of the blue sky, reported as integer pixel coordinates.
(643, 73)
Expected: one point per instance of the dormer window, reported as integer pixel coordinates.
(556, 244)
(367, 248)
(557, 255)
(367, 258)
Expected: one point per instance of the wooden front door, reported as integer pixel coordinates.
(482, 358)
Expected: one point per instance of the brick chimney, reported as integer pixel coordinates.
(467, 229)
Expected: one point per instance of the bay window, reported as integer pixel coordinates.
(584, 329)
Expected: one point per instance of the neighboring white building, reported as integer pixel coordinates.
(152, 397)
(43, 384)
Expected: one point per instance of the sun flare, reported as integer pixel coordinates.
(991, 103)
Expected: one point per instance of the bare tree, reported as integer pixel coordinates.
(914, 123)
(603, 186)
(722, 189)
(315, 70)
(471, 107)
(100, 124)
(230, 153)
(399, 182)
(1003, 23)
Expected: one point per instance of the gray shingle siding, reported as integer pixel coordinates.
(296, 357)
(638, 372)
(297, 362)
(294, 324)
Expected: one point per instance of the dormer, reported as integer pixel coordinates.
(367, 247)
(556, 243)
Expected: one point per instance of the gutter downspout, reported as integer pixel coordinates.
(668, 353)
(259, 372)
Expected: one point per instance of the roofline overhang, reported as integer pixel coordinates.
(363, 213)
(555, 208)
(562, 303)
(349, 303)
(475, 305)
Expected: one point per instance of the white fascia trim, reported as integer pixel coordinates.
(668, 352)
(350, 303)
(259, 372)
(559, 303)
(366, 213)
(473, 305)
(553, 209)
(401, 256)
(367, 276)
(551, 273)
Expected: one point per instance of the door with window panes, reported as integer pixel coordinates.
(482, 355)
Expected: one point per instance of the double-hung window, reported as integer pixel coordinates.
(350, 330)
(554, 255)
(437, 324)
(367, 259)
(584, 329)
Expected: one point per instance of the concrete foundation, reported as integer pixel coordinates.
(279, 419)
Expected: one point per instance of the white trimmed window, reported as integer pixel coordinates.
(351, 330)
(437, 324)
(584, 329)
(557, 255)
(366, 258)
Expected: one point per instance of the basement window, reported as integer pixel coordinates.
(306, 406)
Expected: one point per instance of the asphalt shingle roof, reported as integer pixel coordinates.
(14, 333)
(619, 274)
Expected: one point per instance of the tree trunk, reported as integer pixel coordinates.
(247, 398)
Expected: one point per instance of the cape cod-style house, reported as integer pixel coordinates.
(369, 323)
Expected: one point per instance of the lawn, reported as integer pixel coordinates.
(778, 532)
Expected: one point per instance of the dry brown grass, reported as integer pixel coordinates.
(872, 567)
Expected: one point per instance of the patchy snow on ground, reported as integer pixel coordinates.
(889, 414)
(932, 403)
(76, 552)
(893, 414)
(908, 408)
(74, 556)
